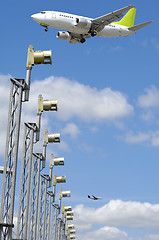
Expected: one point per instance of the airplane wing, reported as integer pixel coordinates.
(94, 196)
(100, 22)
(110, 17)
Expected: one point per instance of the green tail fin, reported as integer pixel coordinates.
(128, 19)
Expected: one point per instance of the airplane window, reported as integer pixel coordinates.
(43, 12)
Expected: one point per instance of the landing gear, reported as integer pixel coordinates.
(46, 29)
(82, 40)
(93, 34)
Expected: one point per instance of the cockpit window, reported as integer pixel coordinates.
(43, 12)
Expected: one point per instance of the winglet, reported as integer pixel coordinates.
(137, 27)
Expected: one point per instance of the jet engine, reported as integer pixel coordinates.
(82, 22)
(63, 36)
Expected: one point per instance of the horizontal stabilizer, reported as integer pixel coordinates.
(137, 27)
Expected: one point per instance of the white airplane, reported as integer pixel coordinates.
(94, 198)
(79, 28)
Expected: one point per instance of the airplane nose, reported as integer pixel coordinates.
(34, 17)
(37, 17)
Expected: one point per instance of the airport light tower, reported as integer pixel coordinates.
(27, 169)
(17, 88)
(35, 58)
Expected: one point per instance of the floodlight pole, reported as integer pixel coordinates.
(42, 206)
(27, 86)
(49, 215)
(27, 171)
(56, 212)
(38, 57)
(11, 157)
(34, 196)
(24, 195)
(12, 140)
(61, 195)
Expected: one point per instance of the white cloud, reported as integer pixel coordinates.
(148, 116)
(138, 138)
(74, 100)
(112, 233)
(155, 139)
(78, 100)
(150, 98)
(72, 130)
(150, 138)
(105, 233)
(118, 213)
(114, 215)
(151, 237)
(84, 227)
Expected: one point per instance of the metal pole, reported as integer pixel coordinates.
(30, 200)
(11, 157)
(62, 227)
(59, 229)
(49, 216)
(38, 226)
(55, 229)
(24, 195)
(28, 184)
(52, 220)
(27, 85)
(44, 217)
(37, 197)
(21, 184)
(42, 206)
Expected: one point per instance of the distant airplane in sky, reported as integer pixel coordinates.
(94, 198)
(79, 28)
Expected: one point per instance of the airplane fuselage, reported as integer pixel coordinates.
(78, 24)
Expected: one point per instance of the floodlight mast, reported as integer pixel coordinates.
(54, 162)
(26, 181)
(18, 86)
(49, 138)
(42, 206)
(61, 195)
(57, 179)
(66, 210)
(56, 207)
(44, 105)
(38, 57)
(11, 156)
(32, 231)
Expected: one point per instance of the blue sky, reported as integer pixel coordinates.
(108, 92)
